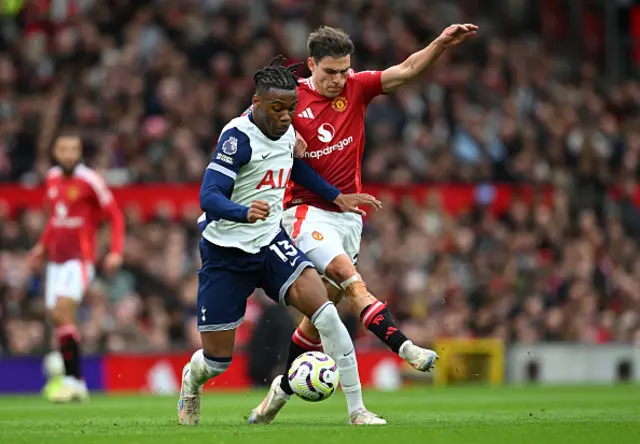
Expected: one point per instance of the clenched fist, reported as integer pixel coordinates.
(259, 210)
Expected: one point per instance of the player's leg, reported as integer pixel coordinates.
(225, 281)
(71, 282)
(213, 359)
(290, 278)
(313, 234)
(298, 220)
(374, 315)
(55, 373)
(332, 243)
(306, 337)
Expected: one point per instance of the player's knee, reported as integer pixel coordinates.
(62, 312)
(327, 319)
(309, 287)
(340, 268)
(335, 294)
(218, 343)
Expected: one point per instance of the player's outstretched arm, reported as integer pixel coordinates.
(417, 63)
(303, 174)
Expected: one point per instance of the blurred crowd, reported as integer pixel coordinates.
(149, 84)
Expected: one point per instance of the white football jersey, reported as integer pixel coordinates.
(261, 168)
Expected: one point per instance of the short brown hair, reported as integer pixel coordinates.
(329, 42)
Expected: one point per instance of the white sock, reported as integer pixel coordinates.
(203, 369)
(337, 344)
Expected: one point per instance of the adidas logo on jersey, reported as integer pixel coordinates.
(307, 114)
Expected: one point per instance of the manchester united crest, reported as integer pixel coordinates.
(340, 104)
(73, 192)
(317, 235)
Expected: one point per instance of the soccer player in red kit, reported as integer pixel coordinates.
(77, 199)
(330, 118)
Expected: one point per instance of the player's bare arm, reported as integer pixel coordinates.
(417, 63)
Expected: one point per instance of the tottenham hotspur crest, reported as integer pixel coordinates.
(230, 146)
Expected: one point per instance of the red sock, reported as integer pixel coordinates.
(69, 343)
(300, 343)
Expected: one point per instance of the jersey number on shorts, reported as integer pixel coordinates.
(283, 249)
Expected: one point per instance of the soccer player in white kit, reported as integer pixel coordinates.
(330, 118)
(243, 245)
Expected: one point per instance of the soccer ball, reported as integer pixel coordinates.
(313, 376)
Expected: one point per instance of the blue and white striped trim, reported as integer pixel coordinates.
(221, 327)
(219, 168)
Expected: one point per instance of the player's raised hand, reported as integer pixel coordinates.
(300, 147)
(349, 203)
(456, 34)
(259, 210)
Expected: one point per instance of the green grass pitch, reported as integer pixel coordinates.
(460, 415)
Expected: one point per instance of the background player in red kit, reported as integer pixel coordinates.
(330, 118)
(77, 199)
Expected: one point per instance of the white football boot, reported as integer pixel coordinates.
(365, 417)
(422, 359)
(189, 402)
(82, 392)
(70, 390)
(274, 401)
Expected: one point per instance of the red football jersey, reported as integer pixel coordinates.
(334, 132)
(77, 204)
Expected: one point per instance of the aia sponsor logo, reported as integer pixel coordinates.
(275, 179)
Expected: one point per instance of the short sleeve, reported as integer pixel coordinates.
(98, 185)
(370, 83)
(232, 151)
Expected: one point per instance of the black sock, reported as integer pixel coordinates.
(295, 350)
(377, 319)
(70, 350)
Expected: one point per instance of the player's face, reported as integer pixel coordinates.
(329, 74)
(275, 110)
(67, 152)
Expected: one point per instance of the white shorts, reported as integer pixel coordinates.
(69, 279)
(323, 235)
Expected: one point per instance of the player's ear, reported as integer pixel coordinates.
(311, 64)
(255, 100)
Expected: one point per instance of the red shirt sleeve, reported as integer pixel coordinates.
(117, 226)
(370, 83)
(45, 236)
(110, 207)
